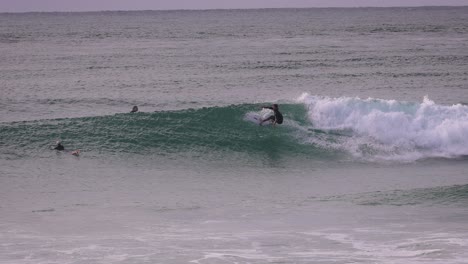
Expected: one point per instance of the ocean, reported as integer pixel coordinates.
(369, 166)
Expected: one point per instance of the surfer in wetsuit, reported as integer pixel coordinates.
(59, 146)
(134, 109)
(277, 118)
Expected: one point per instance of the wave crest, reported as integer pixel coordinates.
(396, 130)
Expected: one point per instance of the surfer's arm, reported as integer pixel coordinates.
(267, 107)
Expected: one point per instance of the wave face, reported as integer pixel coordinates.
(198, 132)
(389, 129)
(314, 128)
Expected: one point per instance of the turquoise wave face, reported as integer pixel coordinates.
(204, 131)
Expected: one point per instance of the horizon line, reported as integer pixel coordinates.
(227, 9)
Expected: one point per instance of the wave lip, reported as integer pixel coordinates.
(398, 130)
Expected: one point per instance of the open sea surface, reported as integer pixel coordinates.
(369, 166)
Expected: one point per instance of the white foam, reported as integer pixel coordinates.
(409, 248)
(393, 129)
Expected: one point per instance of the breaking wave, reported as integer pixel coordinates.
(314, 128)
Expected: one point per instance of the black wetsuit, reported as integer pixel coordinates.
(59, 147)
(277, 117)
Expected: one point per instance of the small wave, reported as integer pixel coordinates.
(456, 195)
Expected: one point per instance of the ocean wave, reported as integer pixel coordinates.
(455, 195)
(200, 132)
(315, 128)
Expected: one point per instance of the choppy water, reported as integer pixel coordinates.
(370, 165)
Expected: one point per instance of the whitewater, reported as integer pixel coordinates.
(369, 166)
(402, 129)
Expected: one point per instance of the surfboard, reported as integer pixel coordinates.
(257, 117)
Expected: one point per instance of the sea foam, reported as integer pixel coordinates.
(406, 130)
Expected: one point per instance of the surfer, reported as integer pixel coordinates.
(277, 118)
(134, 109)
(59, 146)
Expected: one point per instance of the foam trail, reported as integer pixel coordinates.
(404, 129)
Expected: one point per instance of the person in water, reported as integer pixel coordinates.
(134, 109)
(59, 146)
(277, 118)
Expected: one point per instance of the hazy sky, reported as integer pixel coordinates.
(92, 5)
